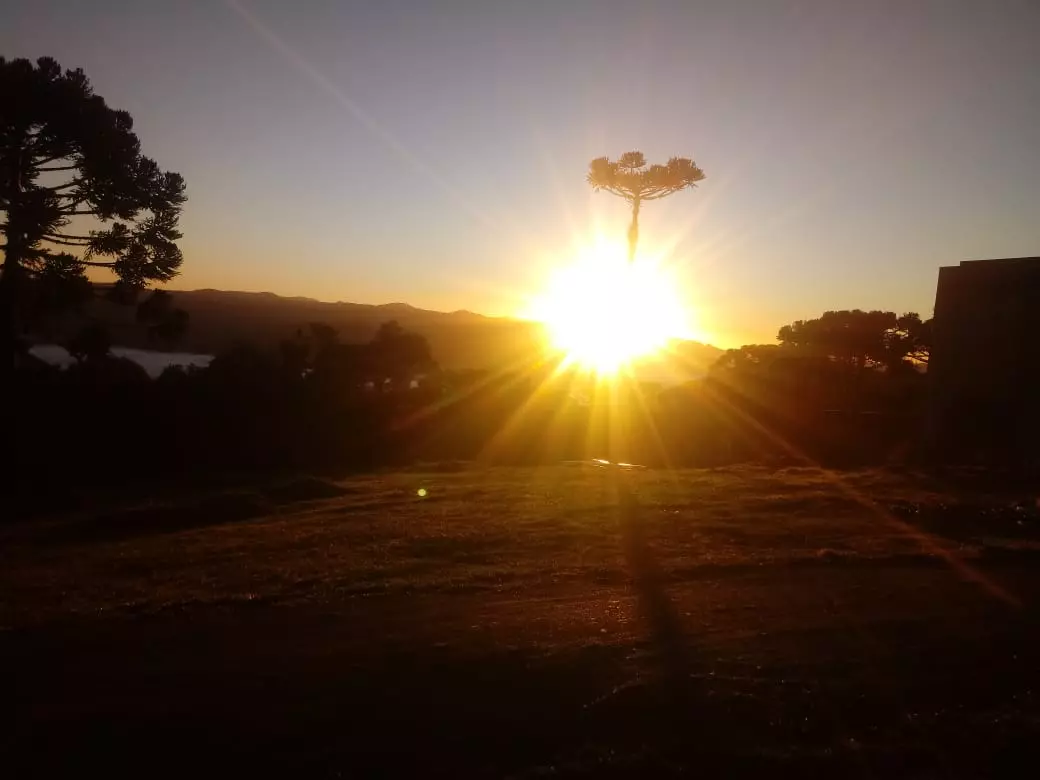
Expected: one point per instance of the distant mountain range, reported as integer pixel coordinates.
(460, 340)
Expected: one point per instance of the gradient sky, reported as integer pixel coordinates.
(435, 152)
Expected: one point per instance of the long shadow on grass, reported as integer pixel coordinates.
(656, 606)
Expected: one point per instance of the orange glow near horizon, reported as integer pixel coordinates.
(604, 312)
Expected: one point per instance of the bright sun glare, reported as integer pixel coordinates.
(604, 312)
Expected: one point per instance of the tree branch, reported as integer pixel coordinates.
(68, 236)
(62, 242)
(51, 159)
(60, 187)
(661, 193)
(96, 265)
(60, 168)
(76, 202)
(619, 191)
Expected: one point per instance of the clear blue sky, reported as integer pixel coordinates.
(434, 152)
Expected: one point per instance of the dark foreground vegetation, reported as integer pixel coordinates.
(566, 622)
(846, 389)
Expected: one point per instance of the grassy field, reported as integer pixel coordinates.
(568, 621)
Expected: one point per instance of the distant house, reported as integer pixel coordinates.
(984, 366)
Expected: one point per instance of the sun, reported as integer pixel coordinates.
(604, 312)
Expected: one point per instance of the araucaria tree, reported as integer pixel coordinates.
(75, 193)
(630, 178)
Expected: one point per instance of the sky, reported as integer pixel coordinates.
(434, 151)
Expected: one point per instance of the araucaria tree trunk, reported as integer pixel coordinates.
(633, 231)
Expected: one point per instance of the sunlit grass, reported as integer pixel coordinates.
(432, 531)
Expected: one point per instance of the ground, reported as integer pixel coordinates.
(575, 621)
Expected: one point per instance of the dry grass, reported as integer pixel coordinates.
(565, 622)
(493, 529)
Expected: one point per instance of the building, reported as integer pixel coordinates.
(984, 367)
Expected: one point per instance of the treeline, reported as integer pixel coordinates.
(848, 388)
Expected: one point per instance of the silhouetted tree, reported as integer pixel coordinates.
(784, 379)
(630, 178)
(66, 158)
(105, 377)
(243, 369)
(862, 339)
(58, 287)
(856, 337)
(165, 324)
(336, 366)
(91, 343)
(399, 355)
(749, 359)
(911, 338)
(295, 353)
(323, 335)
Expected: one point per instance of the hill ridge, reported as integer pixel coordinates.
(220, 319)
